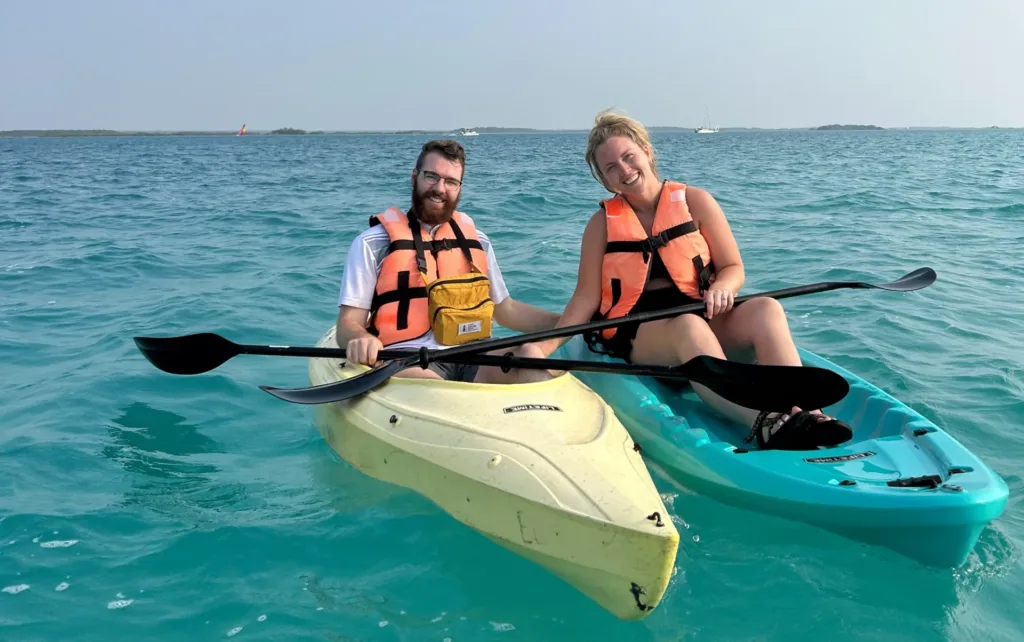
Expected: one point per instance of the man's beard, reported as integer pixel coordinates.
(430, 212)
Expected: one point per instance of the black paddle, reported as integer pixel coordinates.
(920, 278)
(198, 353)
(776, 388)
(752, 386)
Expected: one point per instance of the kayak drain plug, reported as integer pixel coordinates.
(656, 516)
(393, 420)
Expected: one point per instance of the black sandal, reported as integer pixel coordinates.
(799, 431)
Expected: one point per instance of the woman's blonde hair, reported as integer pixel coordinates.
(608, 123)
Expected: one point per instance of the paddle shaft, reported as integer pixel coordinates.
(511, 342)
(197, 353)
(642, 317)
(752, 386)
(500, 361)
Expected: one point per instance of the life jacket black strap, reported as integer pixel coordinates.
(404, 301)
(403, 295)
(462, 242)
(616, 291)
(704, 273)
(652, 243)
(593, 338)
(417, 242)
(435, 246)
(404, 292)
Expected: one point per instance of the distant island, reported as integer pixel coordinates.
(288, 131)
(847, 127)
(505, 130)
(479, 130)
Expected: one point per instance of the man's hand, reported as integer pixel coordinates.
(363, 349)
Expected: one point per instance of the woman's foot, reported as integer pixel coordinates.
(798, 430)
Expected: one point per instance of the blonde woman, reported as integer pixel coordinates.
(658, 243)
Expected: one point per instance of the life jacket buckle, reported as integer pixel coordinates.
(652, 243)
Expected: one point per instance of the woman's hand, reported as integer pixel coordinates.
(718, 300)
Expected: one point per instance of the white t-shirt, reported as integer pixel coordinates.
(365, 256)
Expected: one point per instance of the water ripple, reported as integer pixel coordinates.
(200, 507)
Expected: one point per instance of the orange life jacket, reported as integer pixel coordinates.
(626, 266)
(398, 311)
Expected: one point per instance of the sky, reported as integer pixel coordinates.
(551, 64)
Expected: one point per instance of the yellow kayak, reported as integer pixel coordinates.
(544, 469)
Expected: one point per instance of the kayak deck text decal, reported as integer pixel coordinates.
(530, 406)
(838, 458)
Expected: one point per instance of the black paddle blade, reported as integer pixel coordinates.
(341, 390)
(919, 278)
(773, 388)
(187, 355)
(751, 386)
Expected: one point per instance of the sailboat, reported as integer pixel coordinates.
(241, 132)
(706, 127)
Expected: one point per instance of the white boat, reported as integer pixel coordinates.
(706, 127)
(468, 132)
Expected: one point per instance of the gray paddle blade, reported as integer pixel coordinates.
(341, 390)
(920, 278)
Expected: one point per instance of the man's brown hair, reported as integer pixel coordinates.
(450, 149)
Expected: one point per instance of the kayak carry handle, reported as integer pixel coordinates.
(924, 481)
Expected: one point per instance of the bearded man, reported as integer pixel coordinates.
(385, 290)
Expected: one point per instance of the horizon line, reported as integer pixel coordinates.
(284, 131)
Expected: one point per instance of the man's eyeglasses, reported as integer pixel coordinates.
(431, 179)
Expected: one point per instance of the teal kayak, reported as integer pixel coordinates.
(901, 482)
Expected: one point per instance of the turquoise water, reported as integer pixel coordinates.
(140, 505)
